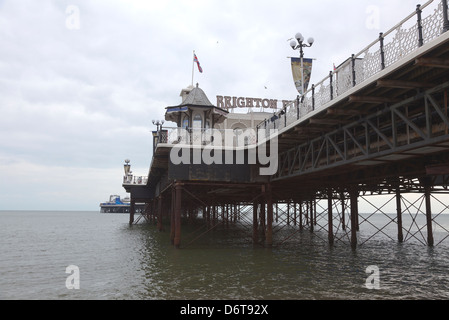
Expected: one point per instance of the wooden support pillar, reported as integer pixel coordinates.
(329, 218)
(399, 214)
(300, 216)
(177, 215)
(269, 228)
(353, 195)
(428, 213)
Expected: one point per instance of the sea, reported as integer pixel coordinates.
(88, 255)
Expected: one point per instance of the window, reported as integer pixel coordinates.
(240, 133)
(197, 122)
(185, 122)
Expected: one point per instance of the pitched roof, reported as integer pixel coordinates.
(196, 97)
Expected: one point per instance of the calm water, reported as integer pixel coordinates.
(116, 261)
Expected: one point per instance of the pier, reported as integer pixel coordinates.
(372, 134)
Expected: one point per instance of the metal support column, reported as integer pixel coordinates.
(343, 222)
(159, 214)
(172, 216)
(177, 216)
(354, 212)
(132, 210)
(329, 218)
(255, 223)
(445, 16)
(269, 228)
(399, 214)
(428, 213)
(262, 218)
(312, 211)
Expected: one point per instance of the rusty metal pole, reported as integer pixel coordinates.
(132, 210)
(428, 213)
(277, 212)
(312, 220)
(177, 216)
(343, 222)
(294, 213)
(329, 218)
(207, 213)
(353, 194)
(399, 214)
(255, 223)
(159, 214)
(263, 224)
(269, 228)
(172, 216)
(307, 212)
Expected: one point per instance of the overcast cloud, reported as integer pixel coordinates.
(80, 81)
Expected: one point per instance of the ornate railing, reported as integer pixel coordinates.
(209, 137)
(135, 180)
(401, 40)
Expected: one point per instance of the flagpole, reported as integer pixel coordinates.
(193, 65)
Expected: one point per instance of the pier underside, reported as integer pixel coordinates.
(270, 215)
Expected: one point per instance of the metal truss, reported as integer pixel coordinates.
(413, 123)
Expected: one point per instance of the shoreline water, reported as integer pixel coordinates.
(118, 261)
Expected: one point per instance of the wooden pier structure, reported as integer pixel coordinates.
(378, 125)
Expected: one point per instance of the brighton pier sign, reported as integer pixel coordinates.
(226, 102)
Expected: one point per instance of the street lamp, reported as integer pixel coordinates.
(157, 135)
(127, 168)
(299, 44)
(159, 124)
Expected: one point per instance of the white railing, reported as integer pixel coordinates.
(135, 180)
(207, 137)
(391, 46)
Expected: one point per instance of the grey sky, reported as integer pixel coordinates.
(80, 81)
